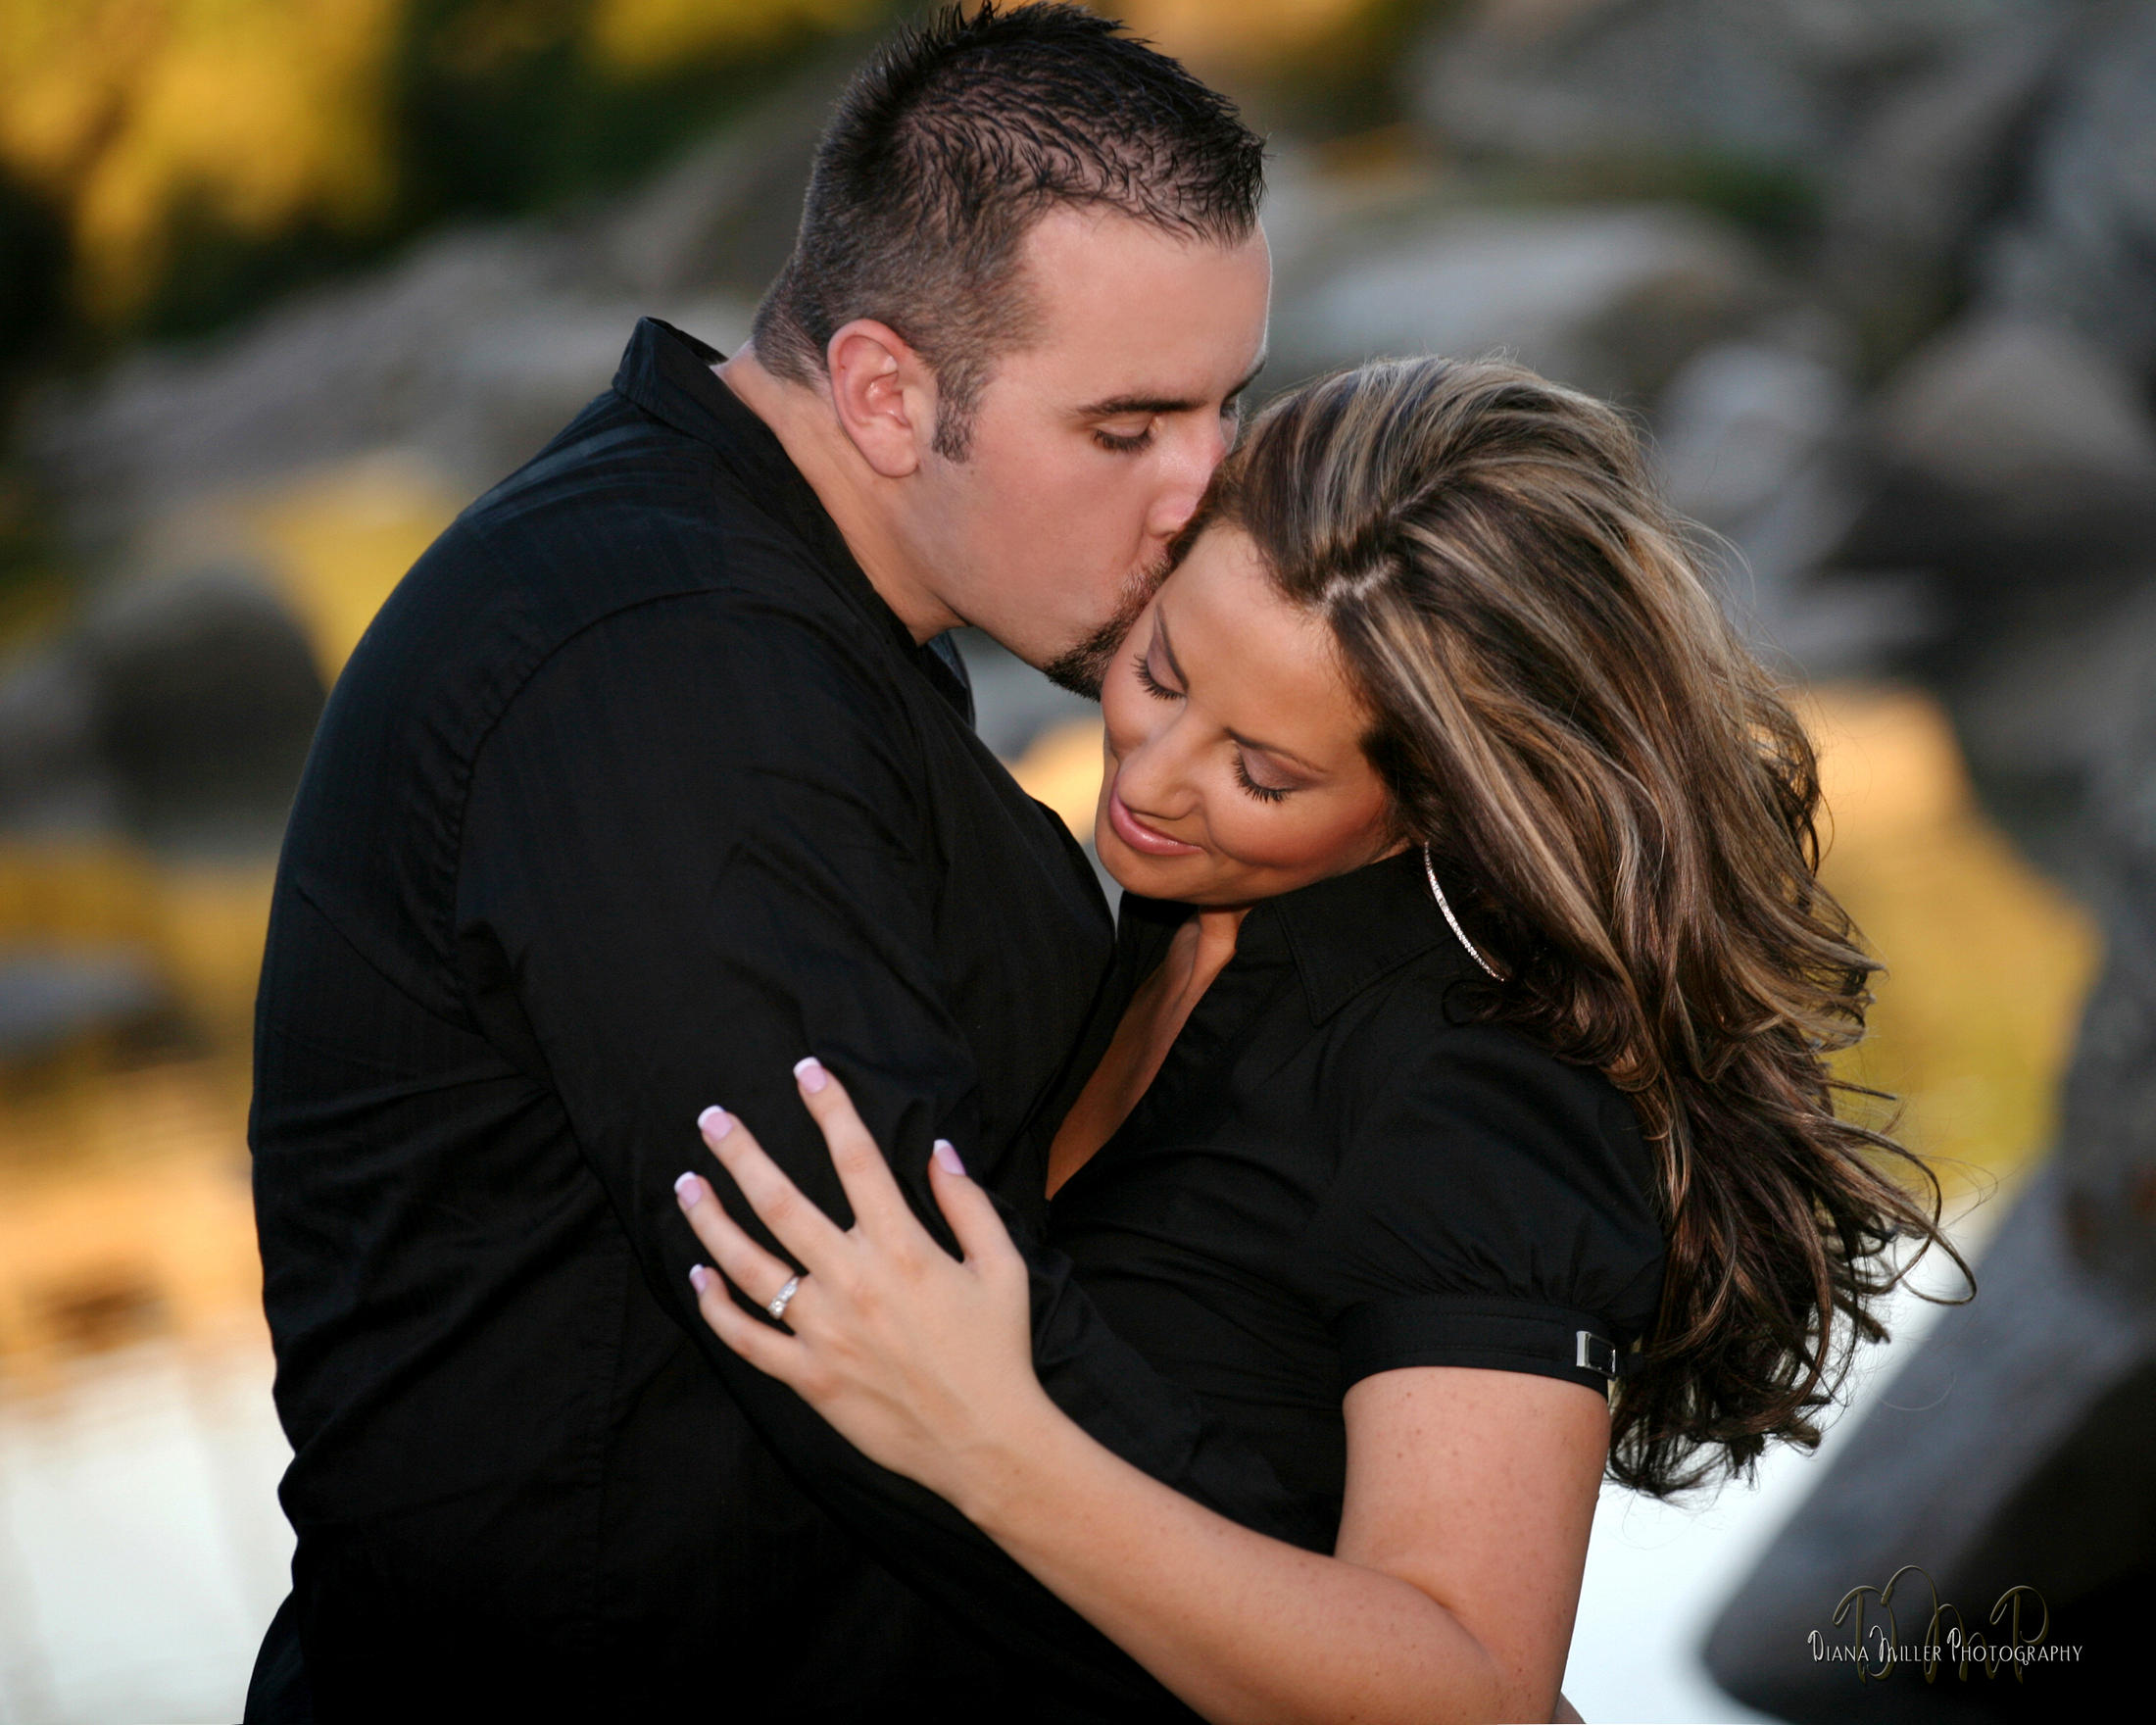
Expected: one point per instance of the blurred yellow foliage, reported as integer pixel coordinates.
(1062, 767)
(1987, 961)
(340, 538)
(1231, 35)
(267, 112)
(263, 110)
(642, 35)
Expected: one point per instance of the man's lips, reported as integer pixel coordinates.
(1140, 837)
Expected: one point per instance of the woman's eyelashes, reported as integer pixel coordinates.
(1151, 684)
(1264, 793)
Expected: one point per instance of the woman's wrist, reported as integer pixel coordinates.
(1008, 1462)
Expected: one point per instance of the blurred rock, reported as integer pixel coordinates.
(52, 780)
(48, 999)
(2108, 1128)
(205, 698)
(1751, 438)
(1940, 152)
(1982, 1463)
(473, 350)
(1737, 420)
(2008, 450)
(2080, 247)
(1610, 299)
(1784, 80)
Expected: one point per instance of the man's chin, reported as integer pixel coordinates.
(1084, 667)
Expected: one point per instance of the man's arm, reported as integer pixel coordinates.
(689, 859)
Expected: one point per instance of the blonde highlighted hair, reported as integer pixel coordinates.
(1627, 808)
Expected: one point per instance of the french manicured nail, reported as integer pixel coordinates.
(811, 1074)
(690, 1189)
(947, 1157)
(714, 1123)
(700, 1278)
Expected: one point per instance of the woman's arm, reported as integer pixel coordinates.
(1468, 1502)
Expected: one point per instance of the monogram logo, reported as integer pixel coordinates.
(2020, 1629)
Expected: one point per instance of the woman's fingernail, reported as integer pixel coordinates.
(700, 1278)
(811, 1074)
(690, 1189)
(714, 1123)
(947, 1157)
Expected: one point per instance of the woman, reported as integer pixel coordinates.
(1473, 1064)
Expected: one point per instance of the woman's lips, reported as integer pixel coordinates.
(1140, 837)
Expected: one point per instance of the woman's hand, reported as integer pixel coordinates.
(922, 1362)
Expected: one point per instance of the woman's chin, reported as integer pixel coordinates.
(1150, 878)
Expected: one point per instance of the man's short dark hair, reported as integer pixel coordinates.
(946, 149)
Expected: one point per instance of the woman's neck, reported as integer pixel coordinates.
(1215, 940)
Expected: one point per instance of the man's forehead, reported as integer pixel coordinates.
(1130, 319)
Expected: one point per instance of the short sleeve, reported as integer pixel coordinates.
(1492, 1210)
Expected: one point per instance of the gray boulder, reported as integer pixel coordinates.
(1935, 157)
(2080, 247)
(1764, 80)
(206, 695)
(2009, 449)
(1753, 438)
(52, 782)
(1985, 1464)
(2108, 1122)
(1611, 299)
(50, 999)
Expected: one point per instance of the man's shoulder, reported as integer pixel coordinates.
(618, 515)
(621, 507)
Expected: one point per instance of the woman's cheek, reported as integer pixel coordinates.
(1292, 834)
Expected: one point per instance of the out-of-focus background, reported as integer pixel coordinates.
(284, 283)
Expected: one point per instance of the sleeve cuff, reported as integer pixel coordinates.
(1492, 1335)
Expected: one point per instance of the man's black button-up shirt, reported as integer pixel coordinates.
(634, 794)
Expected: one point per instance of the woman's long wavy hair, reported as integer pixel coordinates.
(1623, 809)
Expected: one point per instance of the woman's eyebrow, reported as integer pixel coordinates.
(1310, 767)
(1168, 647)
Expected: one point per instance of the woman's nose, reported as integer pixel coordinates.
(1151, 776)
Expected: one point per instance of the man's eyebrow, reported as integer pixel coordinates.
(1116, 406)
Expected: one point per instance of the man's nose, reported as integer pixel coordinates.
(1188, 463)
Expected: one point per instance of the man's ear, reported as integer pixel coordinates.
(884, 396)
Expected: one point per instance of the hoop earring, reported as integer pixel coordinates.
(1436, 891)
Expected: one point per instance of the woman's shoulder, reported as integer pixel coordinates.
(1421, 1043)
(1478, 1173)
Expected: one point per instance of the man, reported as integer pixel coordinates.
(656, 776)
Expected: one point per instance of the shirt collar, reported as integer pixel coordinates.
(667, 372)
(1351, 930)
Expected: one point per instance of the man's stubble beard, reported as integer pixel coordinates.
(1084, 667)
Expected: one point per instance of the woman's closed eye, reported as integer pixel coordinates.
(1265, 793)
(1142, 663)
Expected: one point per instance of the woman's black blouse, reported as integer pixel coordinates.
(1333, 1176)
